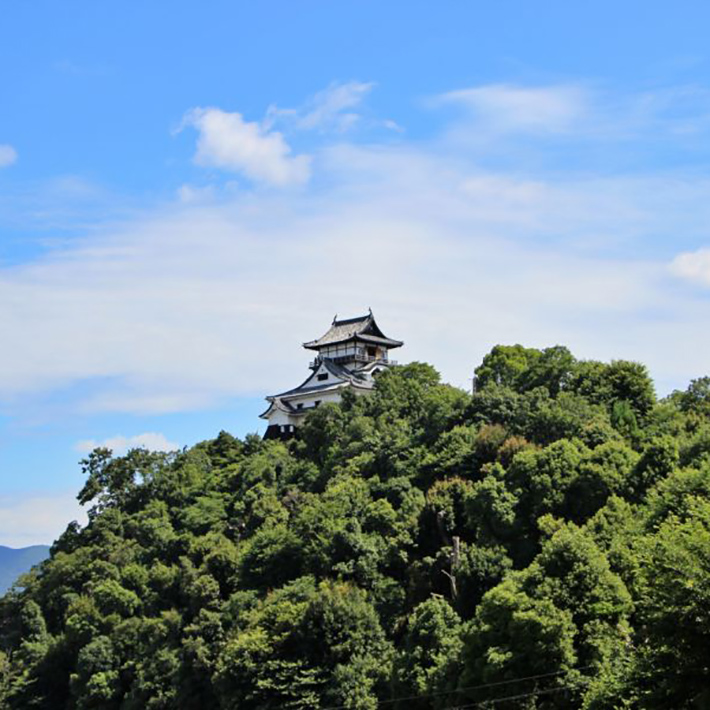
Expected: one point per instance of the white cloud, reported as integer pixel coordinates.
(196, 194)
(229, 142)
(505, 108)
(37, 519)
(693, 266)
(121, 444)
(327, 110)
(203, 300)
(498, 115)
(8, 155)
(184, 307)
(391, 125)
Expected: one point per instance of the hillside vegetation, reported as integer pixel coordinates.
(542, 543)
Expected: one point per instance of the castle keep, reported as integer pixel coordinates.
(348, 356)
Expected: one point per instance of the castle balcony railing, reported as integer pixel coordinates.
(351, 358)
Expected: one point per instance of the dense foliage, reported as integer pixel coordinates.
(542, 543)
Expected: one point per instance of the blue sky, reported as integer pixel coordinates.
(189, 191)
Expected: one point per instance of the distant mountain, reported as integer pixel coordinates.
(13, 562)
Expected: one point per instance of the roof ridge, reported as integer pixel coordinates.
(345, 321)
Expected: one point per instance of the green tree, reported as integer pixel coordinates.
(516, 636)
(427, 663)
(305, 645)
(674, 610)
(505, 366)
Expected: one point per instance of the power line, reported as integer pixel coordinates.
(482, 686)
(521, 696)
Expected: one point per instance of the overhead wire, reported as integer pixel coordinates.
(482, 686)
(519, 696)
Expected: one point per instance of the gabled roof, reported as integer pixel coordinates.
(363, 328)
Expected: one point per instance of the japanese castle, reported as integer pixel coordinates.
(348, 356)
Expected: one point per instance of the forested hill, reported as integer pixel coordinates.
(13, 562)
(543, 543)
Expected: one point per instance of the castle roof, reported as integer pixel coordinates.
(363, 329)
(344, 378)
(342, 375)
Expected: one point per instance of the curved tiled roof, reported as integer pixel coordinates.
(342, 373)
(363, 328)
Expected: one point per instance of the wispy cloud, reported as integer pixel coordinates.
(8, 155)
(61, 206)
(183, 307)
(121, 444)
(505, 108)
(229, 142)
(196, 194)
(209, 298)
(493, 114)
(328, 110)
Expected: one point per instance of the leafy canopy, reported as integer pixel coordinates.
(543, 540)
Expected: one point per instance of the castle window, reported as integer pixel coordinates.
(316, 403)
(323, 376)
(299, 405)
